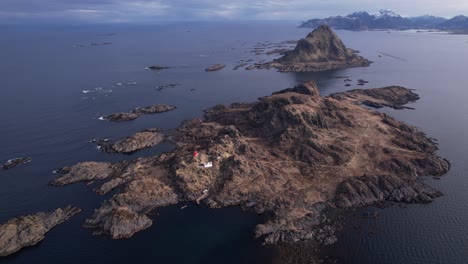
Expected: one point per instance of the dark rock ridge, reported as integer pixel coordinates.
(147, 138)
(215, 67)
(293, 155)
(29, 230)
(16, 162)
(393, 96)
(137, 112)
(368, 190)
(122, 116)
(158, 67)
(321, 50)
(384, 19)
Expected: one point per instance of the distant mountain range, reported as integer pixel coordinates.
(387, 19)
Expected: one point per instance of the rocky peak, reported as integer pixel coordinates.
(307, 88)
(320, 45)
(323, 29)
(386, 13)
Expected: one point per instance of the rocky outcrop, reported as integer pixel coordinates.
(158, 67)
(120, 117)
(368, 190)
(321, 50)
(293, 155)
(145, 186)
(137, 112)
(144, 139)
(154, 109)
(15, 162)
(29, 230)
(393, 96)
(215, 67)
(84, 171)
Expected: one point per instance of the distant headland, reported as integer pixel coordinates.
(387, 19)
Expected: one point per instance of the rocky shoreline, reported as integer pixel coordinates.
(296, 156)
(292, 155)
(29, 230)
(146, 138)
(137, 112)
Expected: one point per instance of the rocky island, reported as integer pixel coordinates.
(29, 230)
(158, 67)
(137, 112)
(144, 139)
(293, 155)
(11, 163)
(321, 50)
(215, 67)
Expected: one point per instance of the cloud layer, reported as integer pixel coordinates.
(108, 11)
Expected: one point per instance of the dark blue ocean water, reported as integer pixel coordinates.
(45, 114)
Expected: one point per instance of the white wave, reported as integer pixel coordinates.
(102, 118)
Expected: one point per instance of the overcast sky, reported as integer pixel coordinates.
(113, 11)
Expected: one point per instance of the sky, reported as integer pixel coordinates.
(134, 11)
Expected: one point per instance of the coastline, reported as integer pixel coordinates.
(149, 183)
(83, 138)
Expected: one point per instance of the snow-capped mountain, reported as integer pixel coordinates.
(385, 13)
(384, 19)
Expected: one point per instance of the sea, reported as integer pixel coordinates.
(56, 81)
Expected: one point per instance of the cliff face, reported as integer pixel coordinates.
(320, 50)
(292, 154)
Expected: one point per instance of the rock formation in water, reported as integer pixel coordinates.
(147, 138)
(215, 67)
(393, 96)
(29, 230)
(137, 112)
(321, 50)
(158, 67)
(292, 154)
(16, 162)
